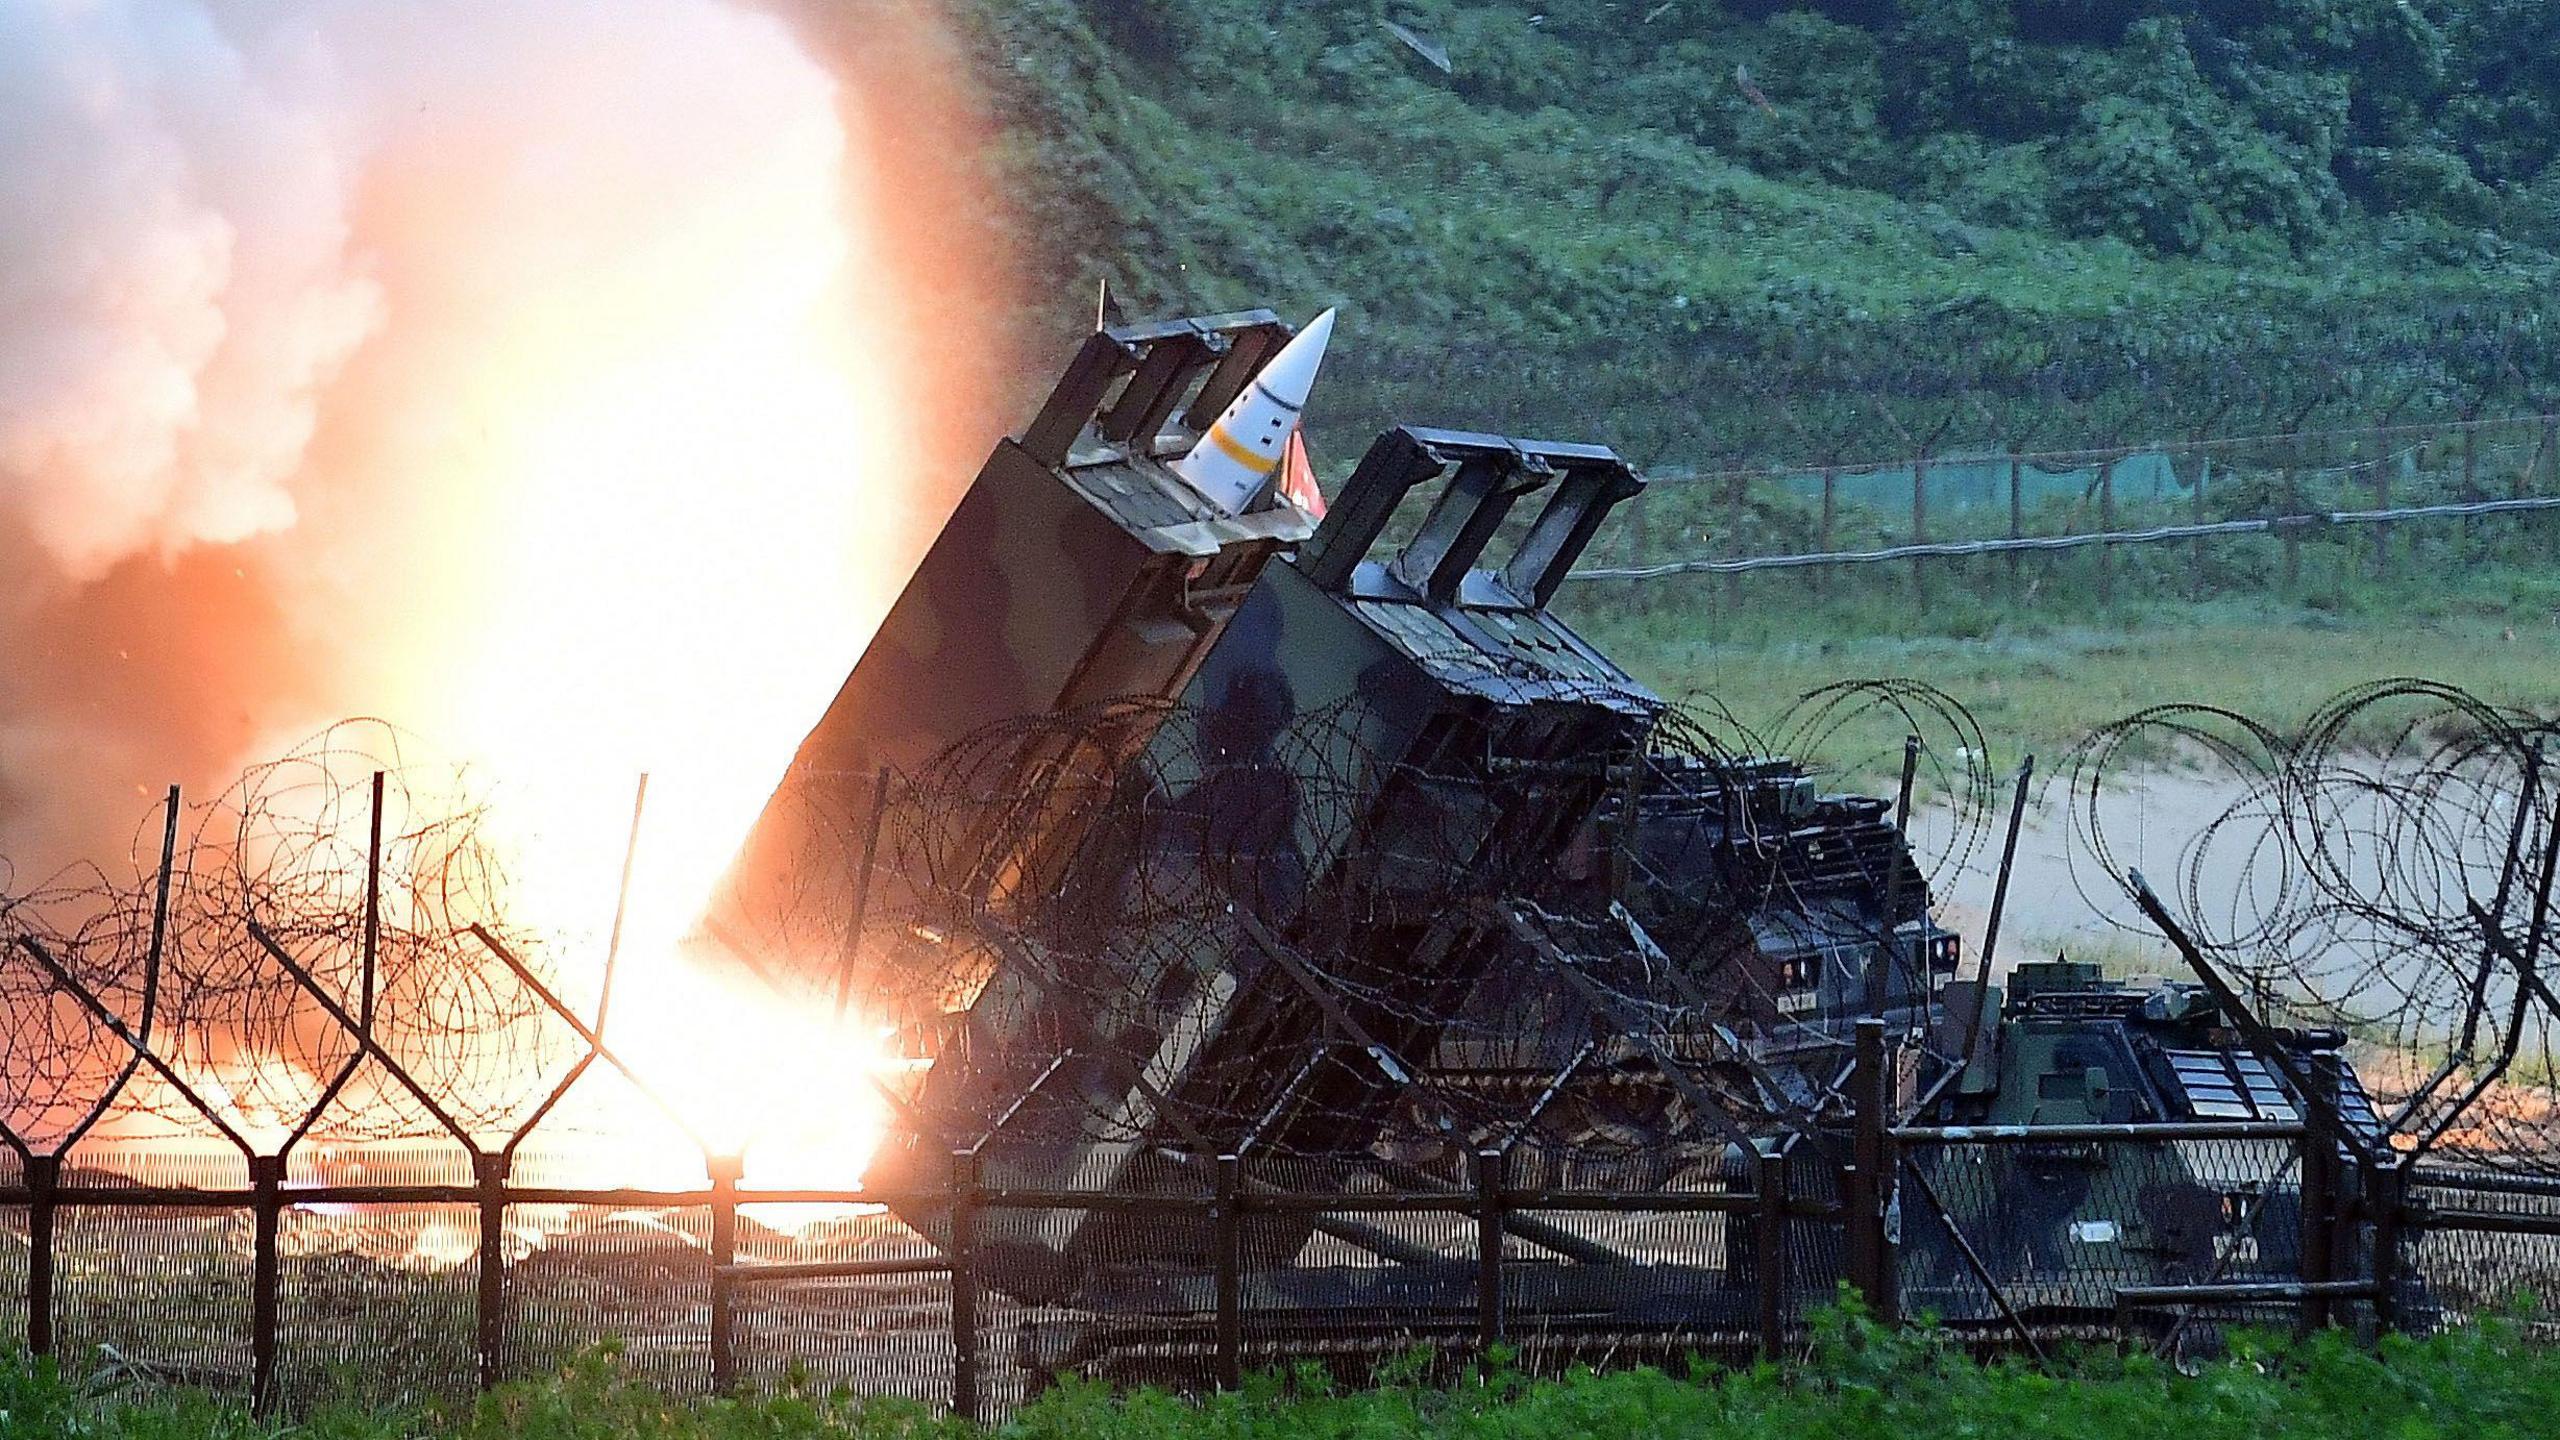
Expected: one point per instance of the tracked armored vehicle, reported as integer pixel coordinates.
(2064, 1226)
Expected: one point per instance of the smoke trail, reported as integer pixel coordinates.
(529, 373)
(175, 275)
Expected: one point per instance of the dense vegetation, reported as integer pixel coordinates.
(2482, 1384)
(1700, 229)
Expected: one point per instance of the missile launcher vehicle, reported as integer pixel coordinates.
(1198, 827)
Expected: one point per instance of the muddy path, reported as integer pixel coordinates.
(2060, 898)
(2210, 843)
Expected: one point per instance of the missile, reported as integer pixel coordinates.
(1245, 444)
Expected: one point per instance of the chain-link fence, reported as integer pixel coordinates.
(2160, 1235)
(296, 1153)
(2300, 514)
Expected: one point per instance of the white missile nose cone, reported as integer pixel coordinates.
(1289, 375)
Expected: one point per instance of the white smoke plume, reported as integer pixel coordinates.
(176, 277)
(577, 374)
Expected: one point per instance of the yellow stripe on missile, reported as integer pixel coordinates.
(1236, 450)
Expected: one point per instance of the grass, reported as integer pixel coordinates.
(2480, 1383)
(2039, 679)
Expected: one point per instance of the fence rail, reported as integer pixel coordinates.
(2047, 544)
(707, 1291)
(1934, 511)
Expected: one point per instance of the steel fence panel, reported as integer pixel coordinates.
(884, 1334)
(13, 1255)
(2046, 1234)
(2466, 1269)
(1673, 1285)
(162, 1294)
(376, 1303)
(640, 1278)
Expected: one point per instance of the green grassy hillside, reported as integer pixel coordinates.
(1702, 230)
(1714, 233)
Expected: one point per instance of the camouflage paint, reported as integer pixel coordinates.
(1076, 568)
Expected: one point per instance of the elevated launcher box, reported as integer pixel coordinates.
(1076, 569)
(1463, 735)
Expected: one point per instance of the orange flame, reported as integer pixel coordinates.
(680, 336)
(688, 475)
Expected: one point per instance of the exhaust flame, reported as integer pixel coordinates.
(543, 378)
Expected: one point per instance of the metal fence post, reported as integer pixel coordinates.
(1854, 1205)
(2017, 521)
(1639, 541)
(2196, 547)
(266, 1179)
(2106, 522)
(964, 1285)
(1230, 1225)
(1488, 1249)
(43, 1176)
(1829, 522)
(2548, 462)
(2319, 1199)
(1737, 508)
(726, 1170)
(1920, 533)
(2385, 1185)
(2520, 476)
(1888, 1187)
(489, 1172)
(2382, 498)
(2470, 542)
(1769, 1244)
(1865, 1190)
(2293, 506)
